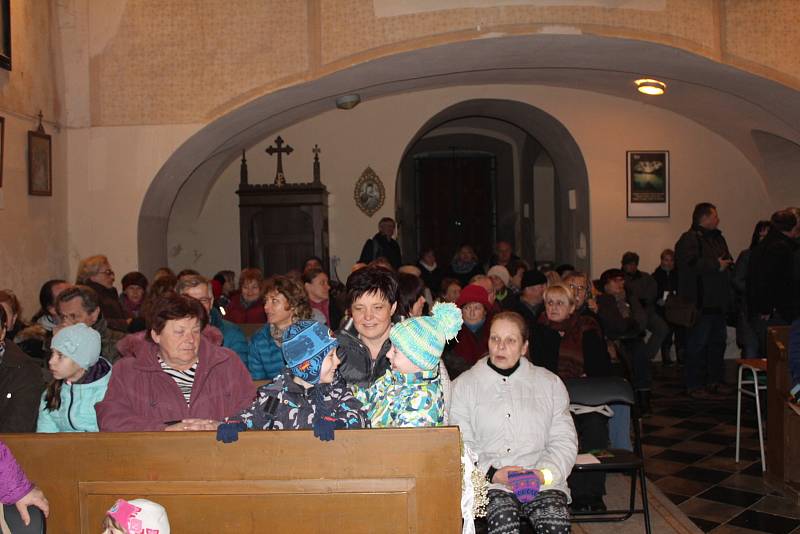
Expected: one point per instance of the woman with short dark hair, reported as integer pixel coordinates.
(180, 381)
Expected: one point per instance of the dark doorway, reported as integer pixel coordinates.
(456, 201)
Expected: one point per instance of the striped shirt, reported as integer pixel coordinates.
(184, 379)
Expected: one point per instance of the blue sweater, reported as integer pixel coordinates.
(76, 413)
(232, 336)
(265, 360)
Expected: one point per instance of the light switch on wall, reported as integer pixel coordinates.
(573, 202)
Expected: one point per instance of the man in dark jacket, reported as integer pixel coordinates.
(530, 301)
(382, 245)
(773, 282)
(666, 278)
(704, 262)
(772, 288)
(643, 288)
(21, 384)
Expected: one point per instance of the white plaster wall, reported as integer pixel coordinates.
(110, 169)
(32, 230)
(704, 167)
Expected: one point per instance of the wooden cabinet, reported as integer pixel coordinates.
(281, 225)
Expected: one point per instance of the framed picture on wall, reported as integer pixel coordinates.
(40, 164)
(648, 183)
(5, 34)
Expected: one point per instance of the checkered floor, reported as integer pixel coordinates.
(690, 448)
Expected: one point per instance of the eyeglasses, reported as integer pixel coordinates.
(577, 289)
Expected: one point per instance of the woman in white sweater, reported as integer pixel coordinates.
(515, 417)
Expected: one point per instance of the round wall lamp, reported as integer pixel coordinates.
(651, 87)
(348, 101)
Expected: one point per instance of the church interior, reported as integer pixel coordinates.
(173, 124)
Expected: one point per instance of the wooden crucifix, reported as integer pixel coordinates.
(279, 149)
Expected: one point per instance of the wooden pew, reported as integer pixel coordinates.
(783, 424)
(376, 481)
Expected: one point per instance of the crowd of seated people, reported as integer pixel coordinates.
(182, 352)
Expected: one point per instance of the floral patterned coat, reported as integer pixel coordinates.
(405, 400)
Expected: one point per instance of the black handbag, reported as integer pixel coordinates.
(680, 311)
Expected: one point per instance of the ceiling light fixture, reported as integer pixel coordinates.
(651, 87)
(348, 101)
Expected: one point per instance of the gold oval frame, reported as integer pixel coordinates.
(368, 202)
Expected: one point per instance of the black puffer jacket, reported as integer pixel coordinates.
(358, 368)
(772, 283)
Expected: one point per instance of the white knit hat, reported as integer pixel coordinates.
(140, 516)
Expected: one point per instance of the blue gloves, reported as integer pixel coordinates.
(324, 427)
(229, 432)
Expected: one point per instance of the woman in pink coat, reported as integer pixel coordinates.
(15, 488)
(178, 380)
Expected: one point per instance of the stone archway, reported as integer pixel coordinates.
(572, 222)
(727, 101)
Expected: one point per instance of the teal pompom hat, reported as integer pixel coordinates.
(78, 342)
(422, 339)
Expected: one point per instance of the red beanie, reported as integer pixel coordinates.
(473, 293)
(216, 288)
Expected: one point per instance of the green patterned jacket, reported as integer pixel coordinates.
(404, 400)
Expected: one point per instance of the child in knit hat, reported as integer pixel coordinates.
(309, 393)
(80, 380)
(138, 516)
(410, 393)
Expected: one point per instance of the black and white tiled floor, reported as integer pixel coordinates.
(690, 448)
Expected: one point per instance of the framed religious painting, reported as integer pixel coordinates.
(648, 183)
(369, 192)
(5, 34)
(40, 163)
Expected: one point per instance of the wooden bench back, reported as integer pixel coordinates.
(381, 480)
(777, 393)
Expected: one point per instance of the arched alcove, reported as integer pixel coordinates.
(542, 133)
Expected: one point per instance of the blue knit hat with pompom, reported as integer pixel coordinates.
(422, 339)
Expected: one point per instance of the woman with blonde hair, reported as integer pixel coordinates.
(572, 345)
(96, 272)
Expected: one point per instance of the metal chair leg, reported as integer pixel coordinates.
(645, 504)
(758, 419)
(738, 411)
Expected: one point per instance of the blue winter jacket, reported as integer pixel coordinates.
(265, 360)
(76, 413)
(232, 336)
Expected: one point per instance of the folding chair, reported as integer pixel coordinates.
(612, 390)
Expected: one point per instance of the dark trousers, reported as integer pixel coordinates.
(592, 429)
(705, 351)
(675, 335)
(637, 362)
(659, 329)
(547, 513)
